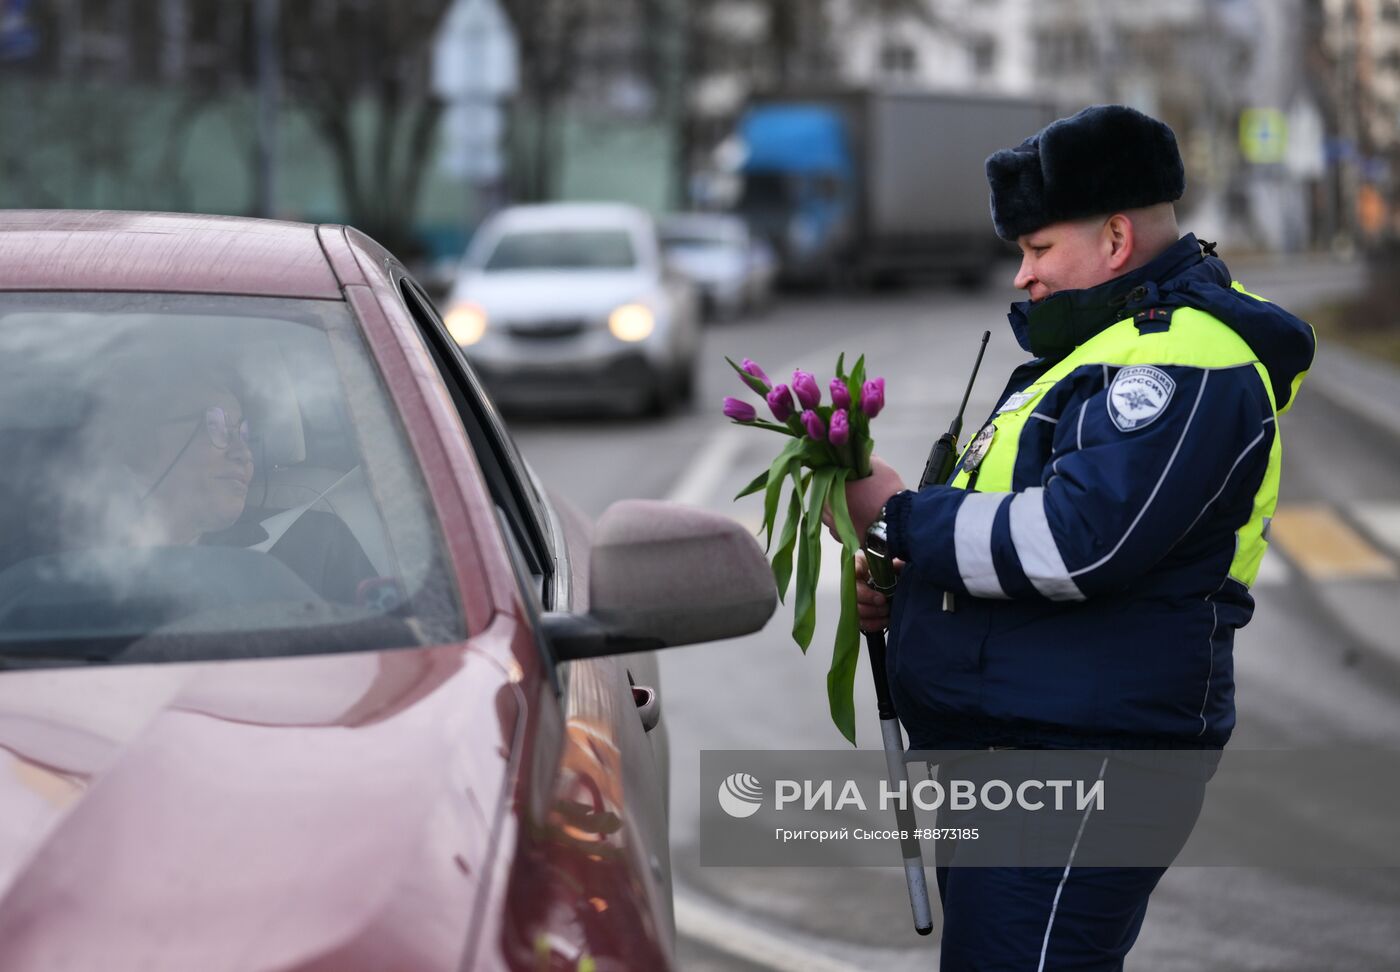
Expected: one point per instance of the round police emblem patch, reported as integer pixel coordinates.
(1138, 395)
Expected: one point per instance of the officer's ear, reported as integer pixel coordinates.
(1118, 242)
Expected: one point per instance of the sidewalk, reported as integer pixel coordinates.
(1367, 388)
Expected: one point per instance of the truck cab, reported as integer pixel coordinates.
(798, 186)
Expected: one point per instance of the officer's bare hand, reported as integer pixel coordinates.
(872, 606)
(865, 497)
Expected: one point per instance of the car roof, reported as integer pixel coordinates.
(162, 253)
(572, 215)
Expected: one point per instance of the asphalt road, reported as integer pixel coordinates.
(1318, 667)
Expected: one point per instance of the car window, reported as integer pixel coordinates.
(701, 236)
(195, 477)
(523, 509)
(581, 249)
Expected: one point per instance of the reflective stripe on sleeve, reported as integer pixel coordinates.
(972, 540)
(1035, 546)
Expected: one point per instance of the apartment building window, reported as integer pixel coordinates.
(899, 60)
(1064, 51)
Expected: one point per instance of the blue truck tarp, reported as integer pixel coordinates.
(795, 138)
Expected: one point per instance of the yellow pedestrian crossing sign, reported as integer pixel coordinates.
(1263, 135)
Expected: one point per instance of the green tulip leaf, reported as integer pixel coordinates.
(841, 514)
(857, 379)
(770, 426)
(758, 482)
(782, 560)
(777, 472)
(841, 677)
(809, 559)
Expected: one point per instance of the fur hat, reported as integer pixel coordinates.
(1104, 159)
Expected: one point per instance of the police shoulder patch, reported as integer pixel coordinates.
(1138, 395)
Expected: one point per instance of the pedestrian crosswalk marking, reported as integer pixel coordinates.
(1324, 547)
(1382, 521)
(1273, 572)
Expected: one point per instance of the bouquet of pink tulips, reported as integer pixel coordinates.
(830, 443)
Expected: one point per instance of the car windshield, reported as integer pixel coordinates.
(192, 477)
(581, 249)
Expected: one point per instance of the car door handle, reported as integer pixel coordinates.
(648, 705)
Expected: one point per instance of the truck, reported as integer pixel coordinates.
(864, 185)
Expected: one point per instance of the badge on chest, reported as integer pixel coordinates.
(977, 451)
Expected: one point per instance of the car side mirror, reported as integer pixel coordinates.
(661, 575)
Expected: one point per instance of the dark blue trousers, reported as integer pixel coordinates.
(1025, 919)
(1061, 917)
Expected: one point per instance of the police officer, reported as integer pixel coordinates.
(1078, 582)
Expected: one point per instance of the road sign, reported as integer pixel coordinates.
(474, 55)
(471, 135)
(474, 67)
(1263, 135)
(1306, 157)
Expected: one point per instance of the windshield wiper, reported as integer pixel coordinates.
(21, 653)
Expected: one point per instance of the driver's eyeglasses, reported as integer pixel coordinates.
(217, 426)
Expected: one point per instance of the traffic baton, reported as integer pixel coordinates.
(882, 579)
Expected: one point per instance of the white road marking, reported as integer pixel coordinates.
(697, 484)
(725, 929)
(1273, 570)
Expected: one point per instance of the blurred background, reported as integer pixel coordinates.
(414, 118)
(805, 177)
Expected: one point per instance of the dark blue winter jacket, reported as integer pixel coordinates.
(1095, 600)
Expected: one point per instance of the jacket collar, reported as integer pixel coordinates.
(1061, 322)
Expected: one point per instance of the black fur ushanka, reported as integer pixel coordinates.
(1104, 159)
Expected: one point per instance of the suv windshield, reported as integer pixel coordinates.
(194, 477)
(563, 250)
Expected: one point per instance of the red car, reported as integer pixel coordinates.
(299, 668)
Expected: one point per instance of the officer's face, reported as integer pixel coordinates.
(1065, 256)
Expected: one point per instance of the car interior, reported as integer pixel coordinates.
(62, 582)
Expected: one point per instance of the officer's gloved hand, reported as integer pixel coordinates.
(872, 606)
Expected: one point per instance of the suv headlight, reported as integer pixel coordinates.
(632, 322)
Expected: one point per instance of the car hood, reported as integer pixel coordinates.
(263, 814)
(709, 264)
(536, 295)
